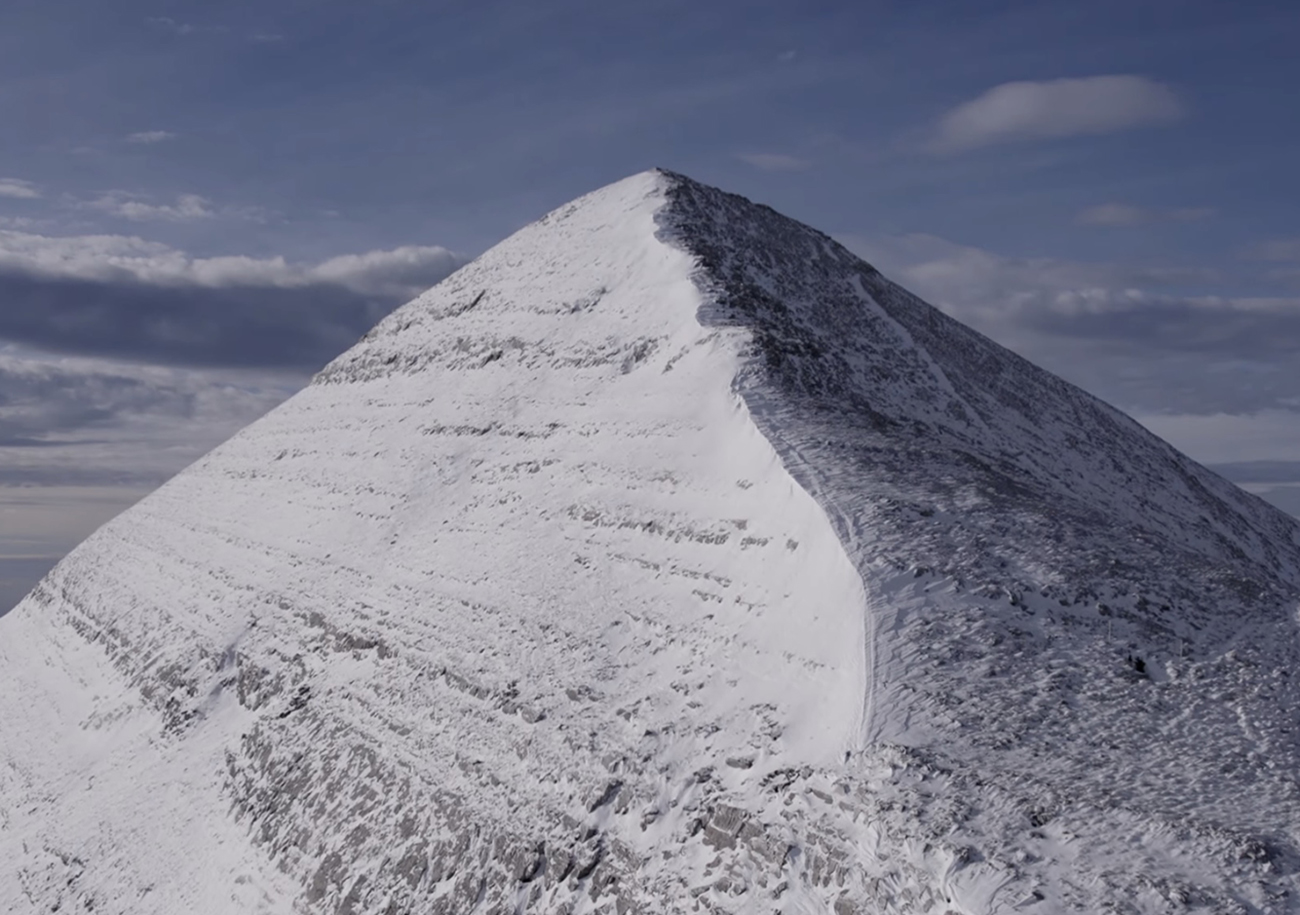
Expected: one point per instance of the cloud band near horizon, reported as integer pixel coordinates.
(125, 298)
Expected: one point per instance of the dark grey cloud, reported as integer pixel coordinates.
(1277, 482)
(91, 422)
(1214, 375)
(300, 327)
(1224, 328)
(126, 298)
(1167, 356)
(1286, 498)
(1121, 373)
(17, 576)
(41, 406)
(1259, 471)
(1121, 331)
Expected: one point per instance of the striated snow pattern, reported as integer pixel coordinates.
(667, 558)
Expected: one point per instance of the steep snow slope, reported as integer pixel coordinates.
(666, 558)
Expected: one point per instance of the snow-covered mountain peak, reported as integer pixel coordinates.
(567, 280)
(667, 557)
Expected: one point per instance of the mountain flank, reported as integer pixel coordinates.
(666, 558)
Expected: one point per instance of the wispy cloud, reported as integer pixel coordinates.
(1020, 111)
(150, 136)
(774, 162)
(403, 271)
(49, 403)
(1122, 331)
(129, 206)
(16, 187)
(979, 285)
(1090, 299)
(184, 208)
(1114, 215)
(81, 439)
(176, 27)
(1283, 250)
(168, 24)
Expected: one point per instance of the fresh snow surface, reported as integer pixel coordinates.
(667, 558)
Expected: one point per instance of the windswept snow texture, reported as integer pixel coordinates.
(667, 558)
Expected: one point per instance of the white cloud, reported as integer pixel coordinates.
(1019, 111)
(407, 270)
(774, 162)
(400, 272)
(150, 136)
(87, 257)
(16, 187)
(187, 207)
(1122, 215)
(395, 272)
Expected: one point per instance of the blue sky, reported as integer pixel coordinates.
(199, 203)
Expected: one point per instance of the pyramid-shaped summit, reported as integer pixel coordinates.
(666, 558)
